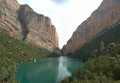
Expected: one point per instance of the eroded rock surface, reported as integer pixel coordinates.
(23, 23)
(100, 20)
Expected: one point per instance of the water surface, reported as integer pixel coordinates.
(49, 70)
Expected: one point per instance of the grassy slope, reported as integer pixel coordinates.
(15, 51)
(110, 36)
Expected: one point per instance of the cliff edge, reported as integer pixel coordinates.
(23, 23)
(107, 14)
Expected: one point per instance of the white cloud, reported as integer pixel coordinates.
(66, 17)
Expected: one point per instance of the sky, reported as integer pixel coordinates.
(66, 15)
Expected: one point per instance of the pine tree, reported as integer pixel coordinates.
(8, 75)
(102, 47)
(4, 75)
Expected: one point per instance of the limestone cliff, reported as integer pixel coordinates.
(107, 14)
(21, 22)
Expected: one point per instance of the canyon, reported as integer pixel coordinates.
(23, 23)
(107, 14)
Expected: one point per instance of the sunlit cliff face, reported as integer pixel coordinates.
(23, 23)
(66, 15)
(105, 16)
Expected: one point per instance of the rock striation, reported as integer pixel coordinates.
(23, 23)
(107, 14)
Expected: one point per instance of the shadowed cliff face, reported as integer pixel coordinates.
(101, 19)
(21, 22)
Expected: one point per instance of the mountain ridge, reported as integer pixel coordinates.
(107, 14)
(23, 23)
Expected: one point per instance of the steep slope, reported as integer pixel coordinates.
(13, 51)
(21, 22)
(100, 20)
(93, 47)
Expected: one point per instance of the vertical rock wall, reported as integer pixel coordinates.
(23, 23)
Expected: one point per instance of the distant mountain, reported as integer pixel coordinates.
(101, 20)
(21, 22)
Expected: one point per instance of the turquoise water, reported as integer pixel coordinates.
(50, 70)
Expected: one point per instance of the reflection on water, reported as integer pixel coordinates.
(62, 70)
(50, 70)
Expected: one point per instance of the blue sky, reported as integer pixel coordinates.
(66, 15)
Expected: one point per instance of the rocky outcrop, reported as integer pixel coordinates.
(9, 22)
(100, 20)
(21, 22)
(110, 48)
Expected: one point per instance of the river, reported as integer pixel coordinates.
(49, 70)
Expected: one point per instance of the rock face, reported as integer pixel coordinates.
(100, 20)
(21, 22)
(110, 48)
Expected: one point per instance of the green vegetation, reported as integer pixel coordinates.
(102, 47)
(102, 57)
(8, 75)
(102, 69)
(13, 51)
(110, 36)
